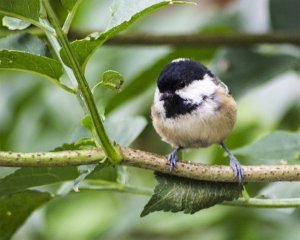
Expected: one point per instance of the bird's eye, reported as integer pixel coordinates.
(181, 84)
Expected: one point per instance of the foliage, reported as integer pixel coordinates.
(15, 208)
(37, 116)
(26, 52)
(275, 146)
(178, 194)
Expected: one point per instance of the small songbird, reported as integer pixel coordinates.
(192, 108)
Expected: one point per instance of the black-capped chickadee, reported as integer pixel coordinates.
(192, 108)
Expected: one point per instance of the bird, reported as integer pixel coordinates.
(193, 108)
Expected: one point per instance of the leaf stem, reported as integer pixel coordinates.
(70, 16)
(111, 151)
(65, 87)
(119, 188)
(265, 203)
(241, 202)
(245, 194)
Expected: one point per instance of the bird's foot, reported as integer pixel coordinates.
(237, 169)
(235, 165)
(173, 158)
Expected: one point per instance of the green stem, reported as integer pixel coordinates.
(245, 194)
(137, 190)
(65, 87)
(112, 186)
(111, 151)
(241, 202)
(265, 203)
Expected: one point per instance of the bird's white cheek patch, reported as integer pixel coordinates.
(197, 89)
(159, 105)
(156, 95)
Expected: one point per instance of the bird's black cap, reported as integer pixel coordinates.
(180, 73)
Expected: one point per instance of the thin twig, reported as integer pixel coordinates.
(265, 203)
(184, 40)
(146, 160)
(201, 39)
(240, 202)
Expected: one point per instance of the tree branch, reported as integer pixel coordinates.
(201, 39)
(184, 40)
(146, 160)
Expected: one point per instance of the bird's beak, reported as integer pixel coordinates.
(164, 96)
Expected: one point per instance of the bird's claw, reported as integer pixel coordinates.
(237, 169)
(173, 158)
(235, 165)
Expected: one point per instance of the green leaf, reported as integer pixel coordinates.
(15, 209)
(244, 68)
(280, 190)
(28, 10)
(284, 15)
(84, 170)
(180, 194)
(147, 78)
(32, 177)
(291, 118)
(24, 52)
(21, 61)
(80, 144)
(124, 14)
(111, 79)
(105, 172)
(124, 10)
(14, 23)
(273, 147)
(24, 42)
(88, 123)
(4, 171)
(69, 4)
(101, 174)
(124, 131)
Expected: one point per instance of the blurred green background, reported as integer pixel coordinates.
(36, 115)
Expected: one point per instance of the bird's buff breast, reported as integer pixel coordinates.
(197, 129)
